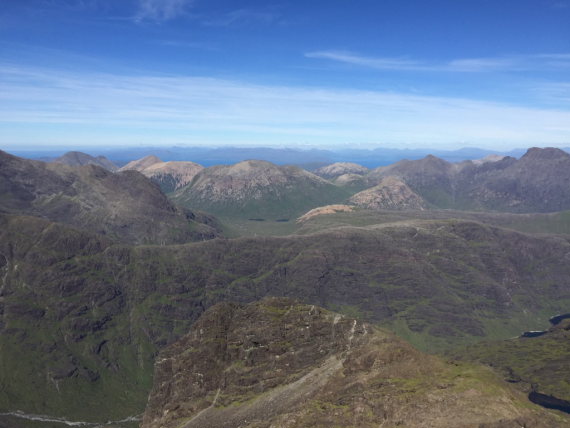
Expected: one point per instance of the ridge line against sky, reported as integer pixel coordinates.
(195, 72)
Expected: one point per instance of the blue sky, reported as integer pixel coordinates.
(362, 73)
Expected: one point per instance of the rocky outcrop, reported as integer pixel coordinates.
(488, 158)
(390, 194)
(337, 169)
(281, 363)
(328, 209)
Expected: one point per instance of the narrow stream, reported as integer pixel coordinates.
(53, 419)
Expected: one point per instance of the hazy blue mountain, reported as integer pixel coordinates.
(311, 158)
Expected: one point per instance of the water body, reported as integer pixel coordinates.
(533, 333)
(549, 401)
(557, 319)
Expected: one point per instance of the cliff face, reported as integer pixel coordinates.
(280, 363)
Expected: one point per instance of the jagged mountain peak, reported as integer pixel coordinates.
(547, 153)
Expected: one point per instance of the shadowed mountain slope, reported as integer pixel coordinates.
(537, 182)
(80, 159)
(281, 363)
(124, 205)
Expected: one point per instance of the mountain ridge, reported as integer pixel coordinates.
(277, 362)
(123, 205)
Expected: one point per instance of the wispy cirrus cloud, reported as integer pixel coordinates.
(161, 10)
(559, 61)
(554, 92)
(370, 62)
(43, 105)
(241, 17)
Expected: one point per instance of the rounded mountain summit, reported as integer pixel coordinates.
(258, 189)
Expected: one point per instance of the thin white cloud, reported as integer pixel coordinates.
(161, 10)
(544, 62)
(241, 17)
(42, 105)
(208, 46)
(377, 63)
(554, 92)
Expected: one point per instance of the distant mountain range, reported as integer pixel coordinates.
(310, 159)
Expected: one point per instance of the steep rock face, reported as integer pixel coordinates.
(281, 363)
(257, 189)
(337, 169)
(124, 205)
(80, 159)
(392, 194)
